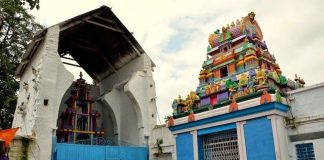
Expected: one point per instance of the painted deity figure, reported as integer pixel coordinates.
(232, 91)
(260, 77)
(175, 106)
(243, 79)
(250, 84)
(189, 103)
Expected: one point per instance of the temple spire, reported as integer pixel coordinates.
(81, 75)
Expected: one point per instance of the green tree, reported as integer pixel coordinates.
(16, 30)
(32, 3)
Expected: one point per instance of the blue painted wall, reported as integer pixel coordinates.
(216, 129)
(259, 139)
(184, 144)
(65, 151)
(200, 147)
(239, 113)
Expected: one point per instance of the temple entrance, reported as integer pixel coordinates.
(82, 117)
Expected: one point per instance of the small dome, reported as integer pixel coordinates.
(212, 38)
(216, 43)
(236, 32)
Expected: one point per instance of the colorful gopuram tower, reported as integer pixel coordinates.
(79, 120)
(238, 66)
(238, 110)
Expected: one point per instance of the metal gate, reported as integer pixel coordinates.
(221, 146)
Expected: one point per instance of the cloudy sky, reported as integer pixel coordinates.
(174, 34)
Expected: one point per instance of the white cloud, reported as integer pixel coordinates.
(293, 31)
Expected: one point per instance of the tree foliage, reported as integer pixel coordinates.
(32, 3)
(16, 30)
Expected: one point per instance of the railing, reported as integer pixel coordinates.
(106, 142)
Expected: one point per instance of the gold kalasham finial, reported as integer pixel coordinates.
(251, 15)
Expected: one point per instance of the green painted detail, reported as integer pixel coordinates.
(223, 38)
(282, 80)
(202, 85)
(208, 62)
(229, 83)
(181, 115)
(208, 48)
(217, 31)
(244, 46)
(276, 79)
(239, 49)
(202, 109)
(278, 96)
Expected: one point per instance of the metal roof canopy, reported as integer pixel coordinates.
(97, 41)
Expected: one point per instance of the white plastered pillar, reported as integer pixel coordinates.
(279, 137)
(141, 90)
(241, 139)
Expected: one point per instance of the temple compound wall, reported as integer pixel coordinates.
(122, 97)
(305, 125)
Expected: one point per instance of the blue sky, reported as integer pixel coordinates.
(174, 33)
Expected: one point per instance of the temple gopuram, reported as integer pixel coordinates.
(238, 101)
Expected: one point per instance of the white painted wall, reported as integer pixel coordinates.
(162, 132)
(126, 118)
(51, 82)
(307, 107)
(317, 144)
(130, 93)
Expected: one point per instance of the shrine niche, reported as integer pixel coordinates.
(78, 121)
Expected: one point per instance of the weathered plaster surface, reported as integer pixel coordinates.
(130, 94)
(162, 132)
(47, 81)
(307, 109)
